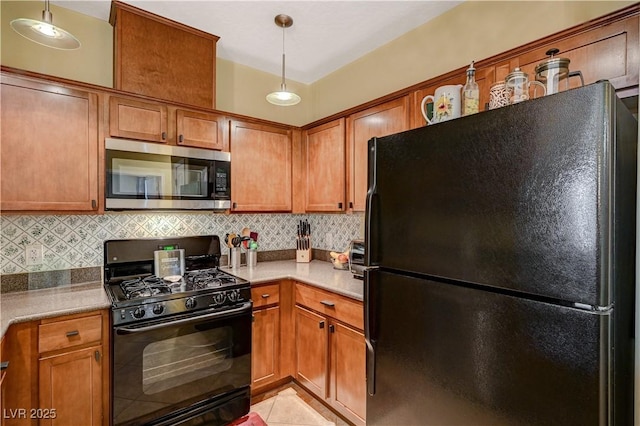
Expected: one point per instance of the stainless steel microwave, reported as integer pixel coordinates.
(143, 175)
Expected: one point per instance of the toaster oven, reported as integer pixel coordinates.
(356, 258)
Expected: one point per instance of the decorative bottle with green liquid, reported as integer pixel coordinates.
(470, 93)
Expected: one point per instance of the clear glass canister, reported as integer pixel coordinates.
(517, 85)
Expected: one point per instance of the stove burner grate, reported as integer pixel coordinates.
(144, 287)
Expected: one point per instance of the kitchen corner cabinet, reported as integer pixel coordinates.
(330, 349)
(381, 120)
(261, 167)
(73, 370)
(324, 152)
(50, 147)
(161, 123)
(265, 350)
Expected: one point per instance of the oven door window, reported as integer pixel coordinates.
(153, 176)
(159, 371)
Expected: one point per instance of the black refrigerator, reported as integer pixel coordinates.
(501, 279)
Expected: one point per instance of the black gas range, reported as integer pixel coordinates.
(181, 348)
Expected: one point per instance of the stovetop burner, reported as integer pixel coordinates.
(144, 287)
(152, 286)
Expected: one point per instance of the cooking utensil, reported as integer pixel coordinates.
(228, 239)
(554, 73)
(246, 232)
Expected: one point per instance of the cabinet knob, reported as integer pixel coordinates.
(180, 139)
(94, 204)
(234, 205)
(164, 136)
(350, 204)
(332, 328)
(321, 325)
(340, 206)
(97, 355)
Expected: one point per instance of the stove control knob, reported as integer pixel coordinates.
(138, 313)
(233, 295)
(158, 309)
(218, 298)
(190, 303)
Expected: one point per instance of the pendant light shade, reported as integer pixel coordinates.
(283, 97)
(44, 32)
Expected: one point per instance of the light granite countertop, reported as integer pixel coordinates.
(32, 305)
(317, 273)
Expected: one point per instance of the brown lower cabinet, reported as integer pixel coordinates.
(330, 350)
(58, 371)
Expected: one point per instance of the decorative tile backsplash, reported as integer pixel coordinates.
(76, 241)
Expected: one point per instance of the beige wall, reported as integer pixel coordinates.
(472, 31)
(91, 63)
(242, 90)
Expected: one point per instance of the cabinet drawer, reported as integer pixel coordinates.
(331, 304)
(265, 295)
(68, 333)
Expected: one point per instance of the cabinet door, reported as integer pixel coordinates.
(49, 151)
(71, 384)
(382, 120)
(133, 119)
(324, 154)
(200, 130)
(312, 351)
(610, 52)
(19, 390)
(261, 167)
(348, 379)
(163, 59)
(265, 350)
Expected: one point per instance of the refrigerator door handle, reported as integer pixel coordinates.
(369, 300)
(369, 257)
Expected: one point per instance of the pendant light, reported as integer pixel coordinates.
(44, 32)
(283, 97)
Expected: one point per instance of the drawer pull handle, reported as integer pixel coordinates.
(321, 325)
(328, 303)
(265, 296)
(72, 333)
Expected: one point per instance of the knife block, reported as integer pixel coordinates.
(303, 256)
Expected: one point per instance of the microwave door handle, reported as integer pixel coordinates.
(215, 315)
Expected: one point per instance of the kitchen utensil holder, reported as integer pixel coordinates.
(303, 256)
(235, 255)
(252, 258)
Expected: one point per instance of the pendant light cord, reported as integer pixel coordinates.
(283, 85)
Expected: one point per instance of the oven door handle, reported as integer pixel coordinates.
(214, 315)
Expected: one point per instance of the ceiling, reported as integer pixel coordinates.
(325, 35)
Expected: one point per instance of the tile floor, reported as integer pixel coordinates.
(290, 405)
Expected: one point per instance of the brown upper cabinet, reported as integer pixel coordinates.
(609, 52)
(382, 120)
(261, 167)
(324, 156)
(163, 59)
(50, 147)
(162, 123)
